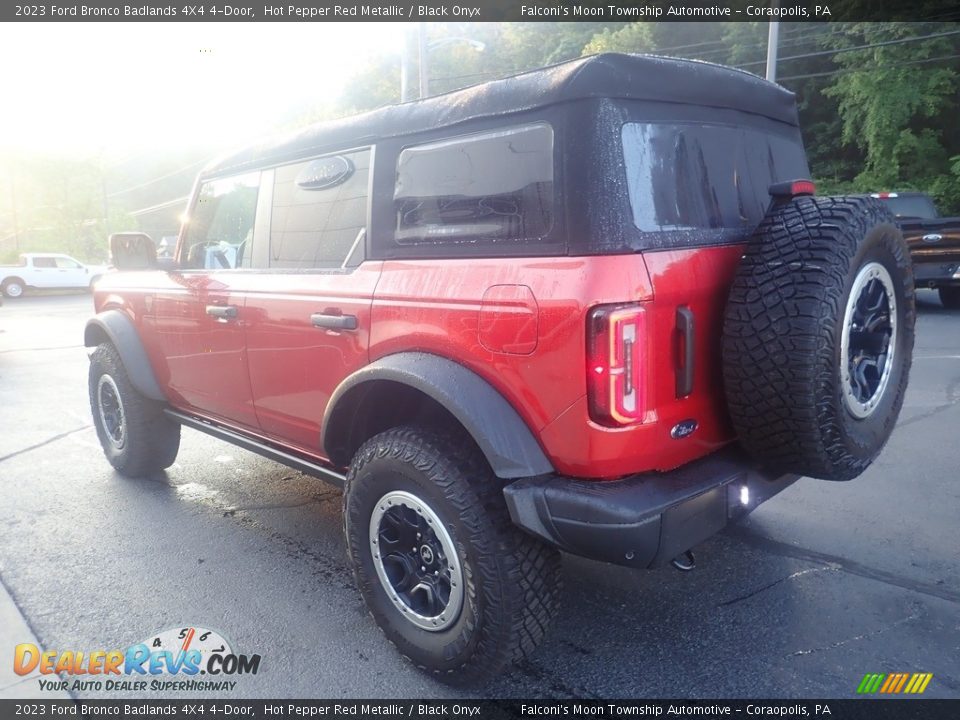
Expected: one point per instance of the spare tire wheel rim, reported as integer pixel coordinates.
(869, 340)
(112, 416)
(416, 561)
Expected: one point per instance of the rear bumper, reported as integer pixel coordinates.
(643, 520)
(936, 273)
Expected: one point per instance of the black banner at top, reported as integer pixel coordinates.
(205, 709)
(476, 10)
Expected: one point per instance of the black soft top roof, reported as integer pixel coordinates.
(611, 75)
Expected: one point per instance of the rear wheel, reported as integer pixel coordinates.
(450, 580)
(818, 336)
(13, 287)
(950, 297)
(135, 435)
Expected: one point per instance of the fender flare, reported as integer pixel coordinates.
(504, 438)
(122, 334)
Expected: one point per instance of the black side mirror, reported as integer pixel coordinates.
(133, 251)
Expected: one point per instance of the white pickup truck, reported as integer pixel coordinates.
(47, 270)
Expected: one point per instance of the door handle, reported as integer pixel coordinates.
(334, 322)
(222, 312)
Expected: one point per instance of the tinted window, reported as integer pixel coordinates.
(686, 177)
(495, 186)
(67, 263)
(319, 212)
(917, 206)
(44, 262)
(220, 226)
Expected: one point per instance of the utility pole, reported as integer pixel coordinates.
(422, 51)
(773, 36)
(405, 69)
(13, 208)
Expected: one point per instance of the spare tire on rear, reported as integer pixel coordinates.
(818, 336)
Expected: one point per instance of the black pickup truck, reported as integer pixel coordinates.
(934, 243)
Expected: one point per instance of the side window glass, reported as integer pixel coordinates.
(487, 187)
(319, 213)
(44, 262)
(220, 226)
(67, 263)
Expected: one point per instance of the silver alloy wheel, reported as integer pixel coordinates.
(112, 415)
(14, 290)
(416, 561)
(869, 340)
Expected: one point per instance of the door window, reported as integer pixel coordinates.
(65, 263)
(220, 227)
(319, 214)
(44, 262)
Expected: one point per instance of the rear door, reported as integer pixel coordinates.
(44, 273)
(307, 314)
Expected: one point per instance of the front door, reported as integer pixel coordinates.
(199, 311)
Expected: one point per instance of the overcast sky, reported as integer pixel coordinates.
(87, 88)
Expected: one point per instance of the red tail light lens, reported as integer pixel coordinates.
(615, 368)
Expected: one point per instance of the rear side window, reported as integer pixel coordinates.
(691, 177)
(319, 212)
(481, 188)
(44, 262)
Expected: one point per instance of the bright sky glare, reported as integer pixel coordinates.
(113, 88)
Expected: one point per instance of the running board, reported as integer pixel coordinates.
(233, 437)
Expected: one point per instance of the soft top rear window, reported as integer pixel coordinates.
(911, 206)
(482, 188)
(704, 183)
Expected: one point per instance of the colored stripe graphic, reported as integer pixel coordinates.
(894, 683)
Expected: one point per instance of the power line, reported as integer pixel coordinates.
(159, 206)
(847, 71)
(883, 43)
(156, 180)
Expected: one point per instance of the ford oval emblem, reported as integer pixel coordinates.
(932, 238)
(325, 173)
(683, 429)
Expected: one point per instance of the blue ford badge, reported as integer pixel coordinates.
(932, 238)
(683, 428)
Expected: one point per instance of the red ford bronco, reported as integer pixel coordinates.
(593, 308)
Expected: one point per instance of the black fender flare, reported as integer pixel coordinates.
(118, 329)
(504, 438)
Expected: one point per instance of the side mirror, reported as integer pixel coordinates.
(133, 251)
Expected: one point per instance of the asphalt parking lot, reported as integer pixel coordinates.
(826, 582)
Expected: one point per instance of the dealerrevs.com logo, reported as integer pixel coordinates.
(171, 660)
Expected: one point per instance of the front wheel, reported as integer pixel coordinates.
(449, 579)
(135, 435)
(950, 297)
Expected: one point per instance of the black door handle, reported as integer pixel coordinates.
(222, 312)
(334, 322)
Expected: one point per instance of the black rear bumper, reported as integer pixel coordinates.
(647, 519)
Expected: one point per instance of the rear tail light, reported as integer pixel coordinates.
(615, 364)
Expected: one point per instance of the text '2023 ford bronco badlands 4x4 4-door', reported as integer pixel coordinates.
(593, 307)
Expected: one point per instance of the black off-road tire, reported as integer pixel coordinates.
(950, 297)
(511, 580)
(784, 378)
(149, 440)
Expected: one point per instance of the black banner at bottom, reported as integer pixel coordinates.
(848, 709)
